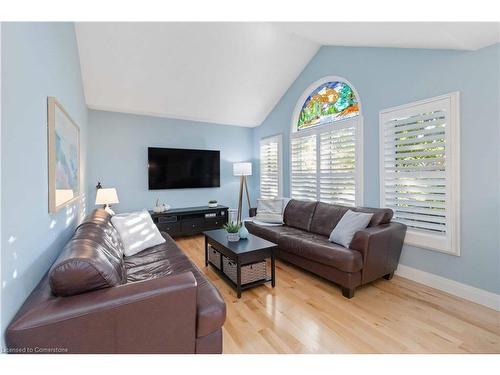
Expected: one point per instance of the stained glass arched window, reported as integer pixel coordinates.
(331, 101)
(326, 144)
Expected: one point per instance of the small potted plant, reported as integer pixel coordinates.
(232, 230)
(212, 203)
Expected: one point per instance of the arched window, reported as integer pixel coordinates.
(326, 144)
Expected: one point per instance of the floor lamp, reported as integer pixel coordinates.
(242, 170)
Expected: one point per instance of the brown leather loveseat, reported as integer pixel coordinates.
(95, 300)
(303, 240)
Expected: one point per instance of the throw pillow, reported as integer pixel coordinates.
(347, 227)
(270, 211)
(274, 206)
(137, 231)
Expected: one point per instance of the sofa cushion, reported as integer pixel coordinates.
(168, 259)
(137, 231)
(380, 215)
(92, 258)
(317, 248)
(298, 214)
(326, 217)
(347, 227)
(271, 233)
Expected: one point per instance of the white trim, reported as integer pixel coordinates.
(470, 293)
(360, 154)
(451, 243)
(419, 102)
(358, 125)
(279, 139)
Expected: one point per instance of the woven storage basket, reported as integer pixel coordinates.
(214, 257)
(249, 273)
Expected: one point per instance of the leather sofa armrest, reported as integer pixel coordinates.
(252, 211)
(381, 249)
(152, 316)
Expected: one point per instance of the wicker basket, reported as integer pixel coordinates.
(214, 257)
(249, 273)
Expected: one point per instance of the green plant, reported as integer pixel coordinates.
(212, 201)
(232, 227)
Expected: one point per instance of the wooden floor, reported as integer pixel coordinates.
(306, 314)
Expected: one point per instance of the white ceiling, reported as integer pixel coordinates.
(231, 73)
(226, 73)
(434, 35)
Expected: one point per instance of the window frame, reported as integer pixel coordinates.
(266, 140)
(357, 121)
(451, 244)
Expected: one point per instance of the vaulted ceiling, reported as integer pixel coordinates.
(225, 73)
(231, 73)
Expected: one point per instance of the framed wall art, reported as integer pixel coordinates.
(63, 156)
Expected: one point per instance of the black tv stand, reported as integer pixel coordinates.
(190, 220)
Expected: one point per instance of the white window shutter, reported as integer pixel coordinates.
(303, 167)
(419, 158)
(337, 178)
(270, 167)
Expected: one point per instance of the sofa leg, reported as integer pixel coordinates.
(348, 293)
(389, 276)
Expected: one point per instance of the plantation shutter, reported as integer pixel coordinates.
(303, 168)
(337, 164)
(270, 168)
(416, 170)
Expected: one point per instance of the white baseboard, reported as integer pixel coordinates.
(464, 291)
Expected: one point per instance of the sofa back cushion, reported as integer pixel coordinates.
(327, 216)
(92, 258)
(380, 215)
(298, 214)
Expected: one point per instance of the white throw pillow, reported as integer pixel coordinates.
(270, 210)
(270, 206)
(347, 227)
(137, 231)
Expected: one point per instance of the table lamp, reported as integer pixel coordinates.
(242, 170)
(107, 197)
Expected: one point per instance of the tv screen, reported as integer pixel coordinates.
(177, 168)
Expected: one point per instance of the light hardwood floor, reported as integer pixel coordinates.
(306, 314)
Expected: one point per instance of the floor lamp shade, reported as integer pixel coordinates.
(242, 169)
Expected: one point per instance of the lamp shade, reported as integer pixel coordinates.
(242, 169)
(106, 196)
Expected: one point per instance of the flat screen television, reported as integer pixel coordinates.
(178, 168)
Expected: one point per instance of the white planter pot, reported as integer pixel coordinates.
(233, 237)
(212, 205)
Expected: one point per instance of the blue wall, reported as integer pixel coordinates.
(118, 159)
(38, 60)
(386, 77)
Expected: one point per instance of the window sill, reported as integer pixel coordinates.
(430, 242)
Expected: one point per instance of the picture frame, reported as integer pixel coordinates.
(63, 156)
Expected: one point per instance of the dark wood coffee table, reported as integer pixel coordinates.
(243, 252)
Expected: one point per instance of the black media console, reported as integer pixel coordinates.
(190, 220)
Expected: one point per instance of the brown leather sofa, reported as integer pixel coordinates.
(95, 300)
(303, 241)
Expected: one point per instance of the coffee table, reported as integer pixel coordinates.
(243, 252)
